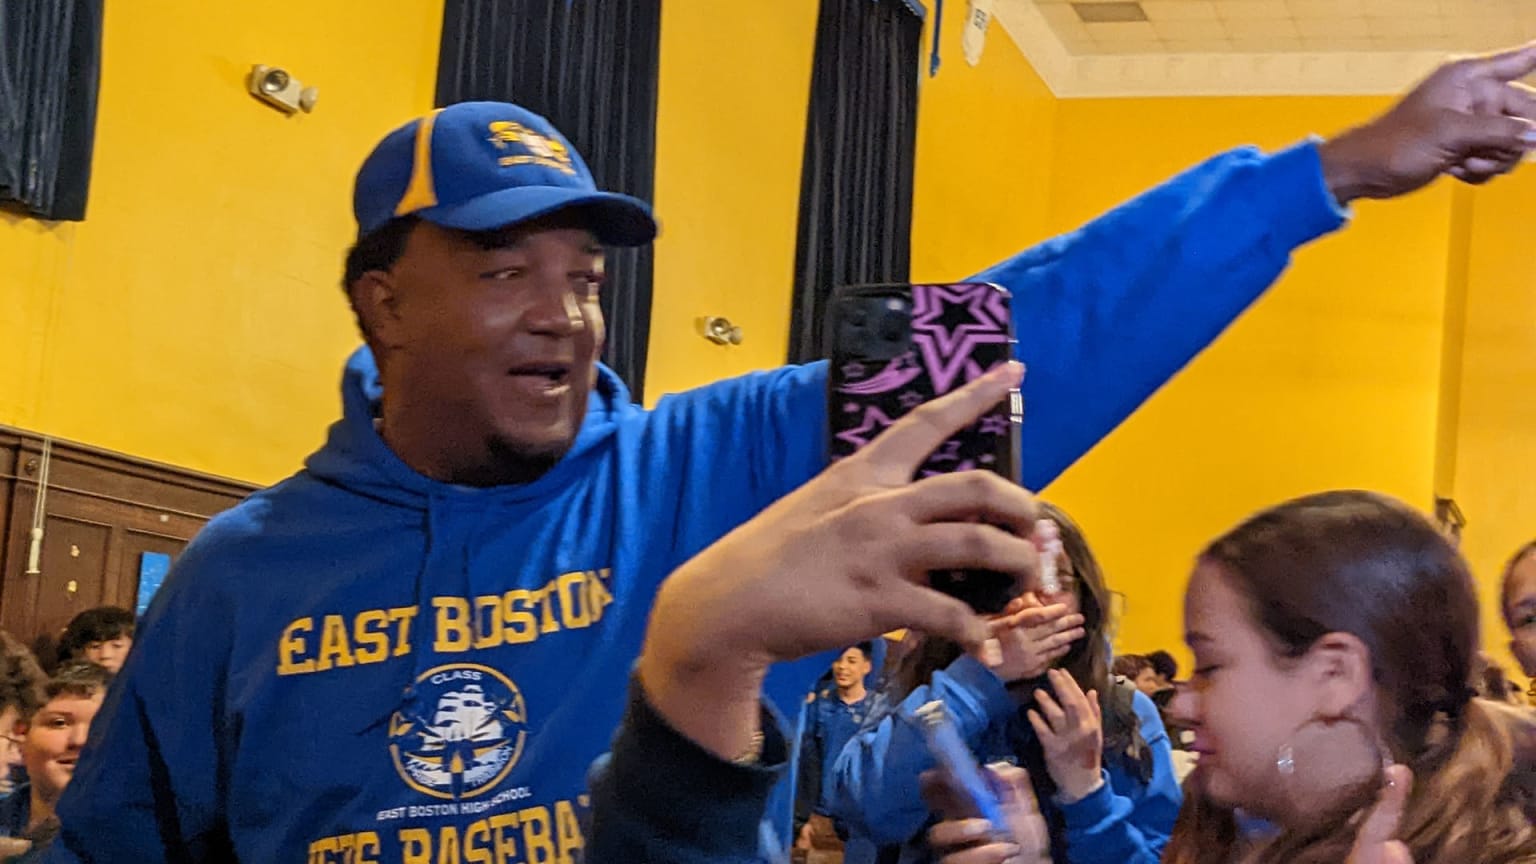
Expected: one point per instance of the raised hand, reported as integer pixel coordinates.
(1028, 638)
(1071, 733)
(1471, 119)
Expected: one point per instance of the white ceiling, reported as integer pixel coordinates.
(1192, 26)
(1255, 46)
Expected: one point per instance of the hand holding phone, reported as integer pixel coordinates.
(895, 347)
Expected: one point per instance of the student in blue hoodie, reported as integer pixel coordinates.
(832, 716)
(1101, 764)
(413, 648)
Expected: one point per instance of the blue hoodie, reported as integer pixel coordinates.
(361, 664)
(875, 789)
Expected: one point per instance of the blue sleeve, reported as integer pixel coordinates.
(763, 432)
(657, 796)
(1126, 822)
(147, 785)
(875, 786)
(742, 444)
(1107, 314)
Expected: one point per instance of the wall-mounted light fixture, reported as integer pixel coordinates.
(719, 330)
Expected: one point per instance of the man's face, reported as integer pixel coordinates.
(1520, 612)
(53, 740)
(497, 345)
(109, 654)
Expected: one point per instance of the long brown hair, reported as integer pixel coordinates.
(1367, 565)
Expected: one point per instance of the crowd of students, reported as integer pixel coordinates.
(418, 648)
(45, 717)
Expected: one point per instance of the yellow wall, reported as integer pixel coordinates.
(1496, 431)
(1330, 381)
(195, 316)
(985, 136)
(730, 128)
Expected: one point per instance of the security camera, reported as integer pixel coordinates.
(282, 91)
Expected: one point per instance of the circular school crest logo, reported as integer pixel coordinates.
(461, 733)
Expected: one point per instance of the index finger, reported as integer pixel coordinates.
(911, 439)
(1508, 65)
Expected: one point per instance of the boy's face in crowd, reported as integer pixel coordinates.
(1520, 612)
(53, 740)
(850, 668)
(111, 653)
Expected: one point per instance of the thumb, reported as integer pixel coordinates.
(1376, 843)
(1012, 785)
(1470, 134)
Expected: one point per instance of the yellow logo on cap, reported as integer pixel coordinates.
(538, 149)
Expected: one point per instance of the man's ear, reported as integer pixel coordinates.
(1338, 667)
(375, 298)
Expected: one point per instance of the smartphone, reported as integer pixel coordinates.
(894, 347)
(956, 760)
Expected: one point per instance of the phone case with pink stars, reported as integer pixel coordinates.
(894, 347)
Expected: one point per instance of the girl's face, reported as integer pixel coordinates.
(1252, 711)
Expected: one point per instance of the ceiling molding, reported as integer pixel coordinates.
(1073, 76)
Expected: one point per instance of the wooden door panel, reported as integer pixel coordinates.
(74, 571)
(104, 511)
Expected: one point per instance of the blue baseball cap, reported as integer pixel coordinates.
(482, 165)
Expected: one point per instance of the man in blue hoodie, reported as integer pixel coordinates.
(411, 650)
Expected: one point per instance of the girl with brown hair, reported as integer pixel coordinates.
(1335, 638)
(1334, 635)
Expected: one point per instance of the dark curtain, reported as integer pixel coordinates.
(589, 66)
(50, 67)
(856, 177)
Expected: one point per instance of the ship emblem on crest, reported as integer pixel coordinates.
(461, 733)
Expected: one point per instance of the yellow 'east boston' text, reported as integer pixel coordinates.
(572, 601)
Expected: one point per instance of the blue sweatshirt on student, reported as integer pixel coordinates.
(362, 664)
(875, 785)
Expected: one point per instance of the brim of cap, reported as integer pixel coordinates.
(616, 220)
